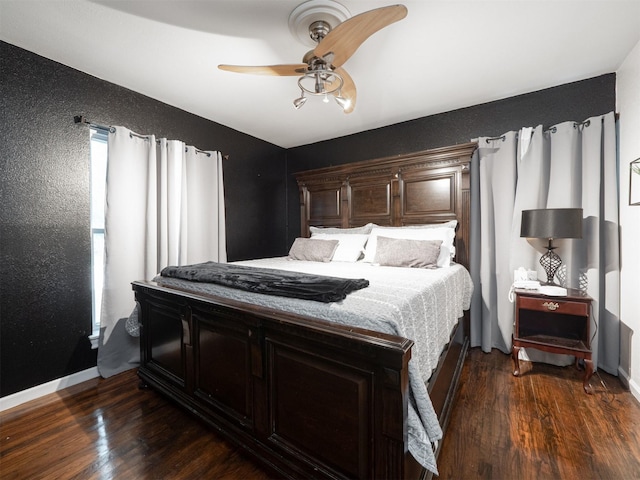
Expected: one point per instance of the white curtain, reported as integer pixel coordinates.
(571, 165)
(164, 206)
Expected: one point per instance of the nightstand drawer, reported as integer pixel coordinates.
(553, 305)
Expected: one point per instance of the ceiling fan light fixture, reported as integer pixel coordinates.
(321, 81)
(335, 36)
(343, 102)
(299, 102)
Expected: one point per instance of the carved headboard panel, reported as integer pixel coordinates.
(425, 187)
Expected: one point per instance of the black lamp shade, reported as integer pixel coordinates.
(552, 223)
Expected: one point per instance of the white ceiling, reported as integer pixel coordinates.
(445, 55)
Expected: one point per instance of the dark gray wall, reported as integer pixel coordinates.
(575, 101)
(45, 291)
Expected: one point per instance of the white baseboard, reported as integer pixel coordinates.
(38, 391)
(634, 388)
(624, 376)
(631, 384)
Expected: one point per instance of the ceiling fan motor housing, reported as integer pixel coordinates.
(306, 14)
(318, 30)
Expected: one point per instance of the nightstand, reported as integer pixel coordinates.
(554, 324)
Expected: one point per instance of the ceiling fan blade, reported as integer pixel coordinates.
(294, 70)
(348, 90)
(345, 39)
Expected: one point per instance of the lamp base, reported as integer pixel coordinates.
(550, 262)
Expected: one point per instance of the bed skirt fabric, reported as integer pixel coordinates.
(319, 288)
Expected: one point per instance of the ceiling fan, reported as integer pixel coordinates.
(336, 38)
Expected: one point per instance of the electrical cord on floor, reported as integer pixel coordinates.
(611, 396)
(595, 332)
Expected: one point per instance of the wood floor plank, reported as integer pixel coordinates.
(109, 429)
(542, 426)
(537, 426)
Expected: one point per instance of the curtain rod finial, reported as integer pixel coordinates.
(79, 119)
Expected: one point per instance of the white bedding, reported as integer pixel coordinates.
(424, 303)
(420, 304)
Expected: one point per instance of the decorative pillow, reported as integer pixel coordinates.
(313, 250)
(400, 252)
(446, 234)
(350, 246)
(364, 230)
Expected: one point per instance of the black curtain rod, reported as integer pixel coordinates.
(82, 119)
(553, 129)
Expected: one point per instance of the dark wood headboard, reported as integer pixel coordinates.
(431, 186)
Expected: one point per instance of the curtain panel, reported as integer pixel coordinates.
(164, 206)
(570, 165)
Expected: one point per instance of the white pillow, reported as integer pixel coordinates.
(350, 245)
(364, 230)
(430, 232)
(450, 224)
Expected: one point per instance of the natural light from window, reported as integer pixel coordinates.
(98, 185)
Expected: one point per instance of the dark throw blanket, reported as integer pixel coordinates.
(269, 281)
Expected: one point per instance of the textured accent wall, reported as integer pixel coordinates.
(45, 293)
(573, 101)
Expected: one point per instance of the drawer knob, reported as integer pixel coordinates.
(551, 305)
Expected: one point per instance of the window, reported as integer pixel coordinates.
(98, 186)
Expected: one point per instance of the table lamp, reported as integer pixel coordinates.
(551, 223)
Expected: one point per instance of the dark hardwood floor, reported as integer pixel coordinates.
(540, 425)
(109, 429)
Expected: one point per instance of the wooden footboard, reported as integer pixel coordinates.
(308, 398)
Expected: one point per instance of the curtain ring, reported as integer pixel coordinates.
(582, 125)
(502, 137)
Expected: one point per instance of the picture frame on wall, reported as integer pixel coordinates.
(634, 182)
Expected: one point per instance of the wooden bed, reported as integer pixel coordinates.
(243, 368)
